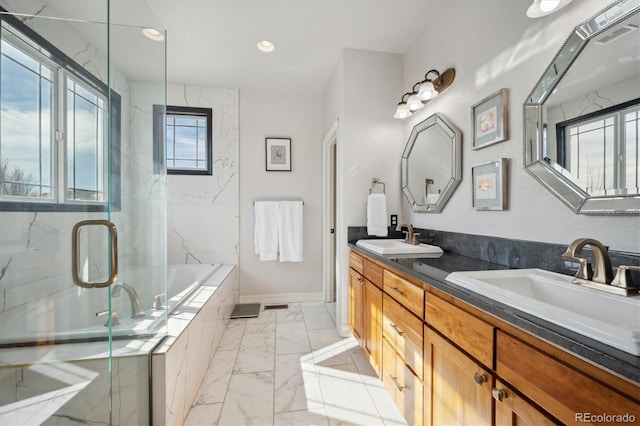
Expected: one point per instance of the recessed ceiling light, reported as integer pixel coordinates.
(153, 34)
(266, 46)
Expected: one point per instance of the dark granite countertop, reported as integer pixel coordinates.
(435, 270)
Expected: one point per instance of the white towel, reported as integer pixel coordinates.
(266, 229)
(290, 227)
(377, 215)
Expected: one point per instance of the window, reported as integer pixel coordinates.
(601, 149)
(54, 129)
(183, 143)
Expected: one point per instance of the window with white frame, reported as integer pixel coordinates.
(601, 150)
(54, 124)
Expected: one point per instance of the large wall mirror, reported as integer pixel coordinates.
(582, 119)
(431, 164)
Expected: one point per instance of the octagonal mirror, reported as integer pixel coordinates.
(582, 118)
(432, 164)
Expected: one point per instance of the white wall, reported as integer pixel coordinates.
(363, 92)
(299, 118)
(203, 210)
(503, 49)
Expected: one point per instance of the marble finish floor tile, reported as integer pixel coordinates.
(290, 367)
(292, 338)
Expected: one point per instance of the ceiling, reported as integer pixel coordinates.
(213, 42)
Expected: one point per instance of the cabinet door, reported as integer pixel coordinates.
(372, 318)
(567, 394)
(356, 284)
(405, 388)
(513, 410)
(457, 390)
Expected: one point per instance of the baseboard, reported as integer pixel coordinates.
(272, 299)
(344, 331)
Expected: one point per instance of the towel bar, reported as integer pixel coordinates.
(376, 181)
(254, 203)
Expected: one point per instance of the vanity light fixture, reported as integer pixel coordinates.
(153, 34)
(540, 8)
(403, 111)
(423, 91)
(266, 46)
(415, 101)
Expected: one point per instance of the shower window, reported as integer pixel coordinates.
(54, 124)
(188, 140)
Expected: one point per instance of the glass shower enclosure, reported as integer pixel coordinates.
(82, 216)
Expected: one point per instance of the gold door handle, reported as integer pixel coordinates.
(479, 378)
(498, 394)
(113, 253)
(397, 383)
(397, 290)
(396, 329)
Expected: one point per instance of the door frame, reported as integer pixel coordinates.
(330, 275)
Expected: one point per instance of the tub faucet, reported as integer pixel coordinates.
(410, 236)
(136, 306)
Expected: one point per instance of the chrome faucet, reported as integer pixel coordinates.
(410, 236)
(602, 278)
(136, 306)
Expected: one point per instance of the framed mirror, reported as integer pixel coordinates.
(582, 118)
(431, 164)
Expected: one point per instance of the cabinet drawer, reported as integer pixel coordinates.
(403, 332)
(355, 261)
(405, 388)
(409, 295)
(562, 391)
(372, 272)
(468, 332)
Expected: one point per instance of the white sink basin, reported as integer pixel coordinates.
(607, 318)
(387, 247)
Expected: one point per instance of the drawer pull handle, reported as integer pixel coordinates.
(479, 378)
(397, 290)
(498, 394)
(397, 330)
(359, 279)
(397, 383)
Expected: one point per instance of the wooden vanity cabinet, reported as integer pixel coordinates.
(445, 362)
(513, 410)
(372, 319)
(567, 394)
(356, 292)
(365, 307)
(402, 363)
(457, 389)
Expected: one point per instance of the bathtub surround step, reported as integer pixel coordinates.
(180, 363)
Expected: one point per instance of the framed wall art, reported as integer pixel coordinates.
(490, 120)
(489, 182)
(278, 154)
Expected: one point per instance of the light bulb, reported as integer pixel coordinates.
(414, 102)
(427, 91)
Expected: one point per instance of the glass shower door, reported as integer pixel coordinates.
(82, 220)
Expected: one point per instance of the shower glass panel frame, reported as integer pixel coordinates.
(73, 352)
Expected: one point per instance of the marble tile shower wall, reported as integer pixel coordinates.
(35, 256)
(203, 220)
(512, 253)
